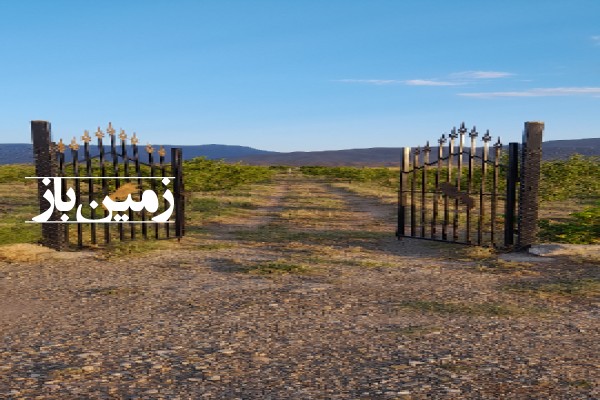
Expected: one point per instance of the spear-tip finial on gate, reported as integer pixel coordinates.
(427, 149)
(498, 143)
(162, 151)
(134, 139)
(149, 148)
(442, 140)
(473, 134)
(110, 130)
(463, 129)
(74, 146)
(486, 137)
(123, 135)
(86, 137)
(99, 133)
(453, 134)
(60, 146)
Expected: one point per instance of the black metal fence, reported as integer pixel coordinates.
(461, 193)
(119, 174)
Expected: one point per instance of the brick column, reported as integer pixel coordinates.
(45, 165)
(531, 159)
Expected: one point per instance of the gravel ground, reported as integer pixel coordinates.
(356, 315)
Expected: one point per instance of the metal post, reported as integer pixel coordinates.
(512, 176)
(402, 196)
(75, 159)
(531, 160)
(413, 183)
(43, 153)
(176, 166)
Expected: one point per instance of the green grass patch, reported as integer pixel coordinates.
(582, 228)
(276, 268)
(205, 205)
(212, 207)
(202, 175)
(117, 249)
(488, 309)
(16, 173)
(213, 246)
(278, 234)
(20, 232)
(576, 288)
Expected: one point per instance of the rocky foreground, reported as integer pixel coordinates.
(308, 296)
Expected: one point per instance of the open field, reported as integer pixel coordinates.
(295, 289)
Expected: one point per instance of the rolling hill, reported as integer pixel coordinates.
(376, 156)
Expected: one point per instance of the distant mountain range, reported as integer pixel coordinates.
(376, 156)
(22, 153)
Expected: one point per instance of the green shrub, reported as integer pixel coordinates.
(382, 176)
(14, 173)
(202, 175)
(578, 177)
(583, 228)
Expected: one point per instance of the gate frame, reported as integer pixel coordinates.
(526, 176)
(48, 163)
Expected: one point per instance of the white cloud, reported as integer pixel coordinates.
(429, 82)
(371, 81)
(481, 74)
(455, 79)
(539, 92)
(596, 40)
(411, 82)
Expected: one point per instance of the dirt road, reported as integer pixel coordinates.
(307, 296)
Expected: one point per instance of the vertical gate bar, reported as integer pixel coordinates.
(100, 135)
(161, 154)
(413, 187)
(531, 158)
(136, 162)
(472, 151)
(452, 136)
(436, 193)
(461, 142)
(182, 191)
(75, 159)
(123, 137)
(495, 179)
(511, 194)
(484, 159)
(153, 184)
(400, 209)
(177, 173)
(63, 185)
(115, 164)
(402, 192)
(144, 225)
(426, 151)
(88, 170)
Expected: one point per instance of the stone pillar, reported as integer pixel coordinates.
(531, 160)
(45, 165)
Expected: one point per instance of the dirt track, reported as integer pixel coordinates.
(310, 296)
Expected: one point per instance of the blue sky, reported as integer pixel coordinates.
(300, 75)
